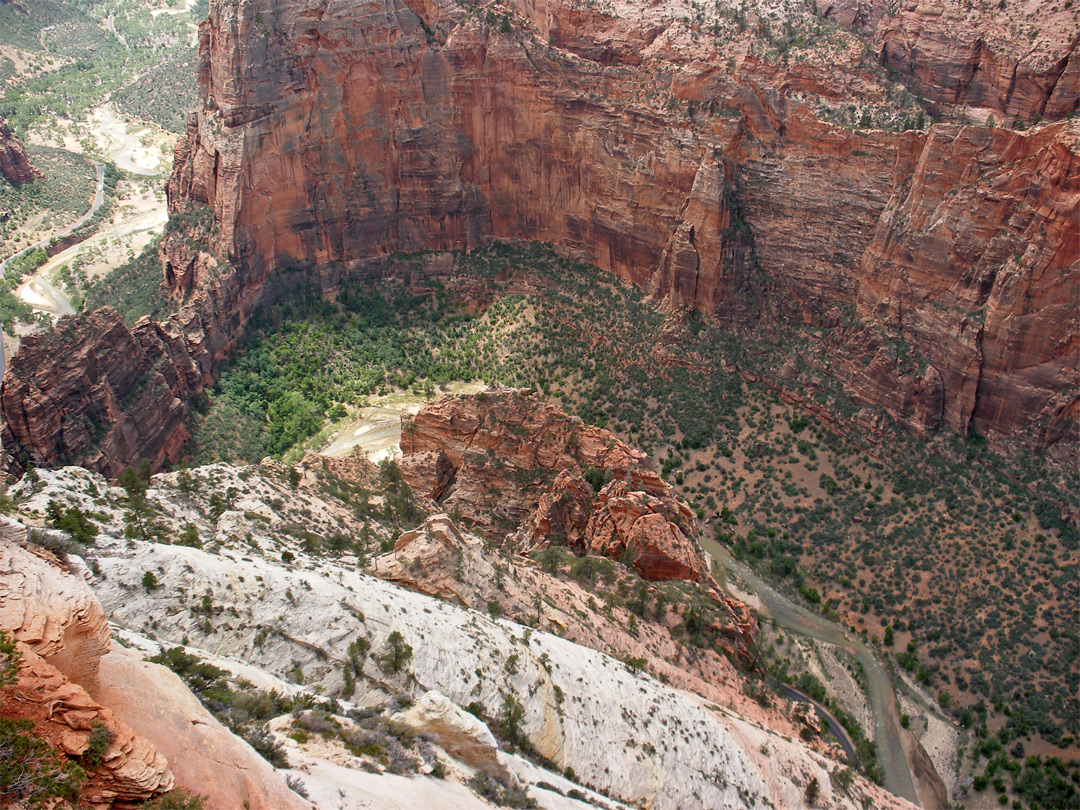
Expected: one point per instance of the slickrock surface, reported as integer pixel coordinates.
(698, 740)
(205, 757)
(679, 744)
(53, 613)
(15, 166)
(70, 681)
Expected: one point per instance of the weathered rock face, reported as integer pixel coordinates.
(976, 266)
(62, 634)
(205, 757)
(506, 459)
(98, 393)
(71, 681)
(14, 164)
(333, 135)
(1014, 60)
(50, 611)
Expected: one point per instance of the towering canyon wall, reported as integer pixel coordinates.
(684, 150)
(1012, 59)
(332, 134)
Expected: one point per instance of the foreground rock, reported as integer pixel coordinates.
(292, 608)
(62, 634)
(205, 757)
(71, 687)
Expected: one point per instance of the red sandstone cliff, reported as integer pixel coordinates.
(333, 137)
(682, 151)
(98, 393)
(14, 164)
(1016, 58)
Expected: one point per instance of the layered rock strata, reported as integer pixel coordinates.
(507, 459)
(679, 151)
(71, 681)
(433, 128)
(15, 166)
(96, 392)
(61, 634)
(1013, 60)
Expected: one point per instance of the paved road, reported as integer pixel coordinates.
(834, 725)
(796, 618)
(99, 198)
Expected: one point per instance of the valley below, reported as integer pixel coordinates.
(561, 405)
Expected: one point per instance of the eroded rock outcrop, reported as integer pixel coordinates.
(509, 462)
(15, 166)
(205, 757)
(71, 685)
(99, 393)
(62, 634)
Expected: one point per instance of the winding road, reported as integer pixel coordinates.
(795, 618)
(99, 198)
(824, 714)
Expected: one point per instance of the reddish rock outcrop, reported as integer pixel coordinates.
(97, 393)
(61, 635)
(513, 464)
(205, 757)
(1009, 59)
(70, 682)
(14, 164)
(63, 714)
(439, 559)
(693, 167)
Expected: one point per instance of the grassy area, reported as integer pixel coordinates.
(75, 61)
(165, 94)
(958, 562)
(134, 289)
(64, 194)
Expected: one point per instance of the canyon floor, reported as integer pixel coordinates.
(755, 486)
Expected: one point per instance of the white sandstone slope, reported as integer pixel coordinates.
(622, 733)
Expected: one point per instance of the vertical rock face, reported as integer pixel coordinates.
(334, 133)
(1014, 59)
(97, 393)
(14, 164)
(975, 263)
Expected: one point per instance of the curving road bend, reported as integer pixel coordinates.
(99, 198)
(791, 616)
